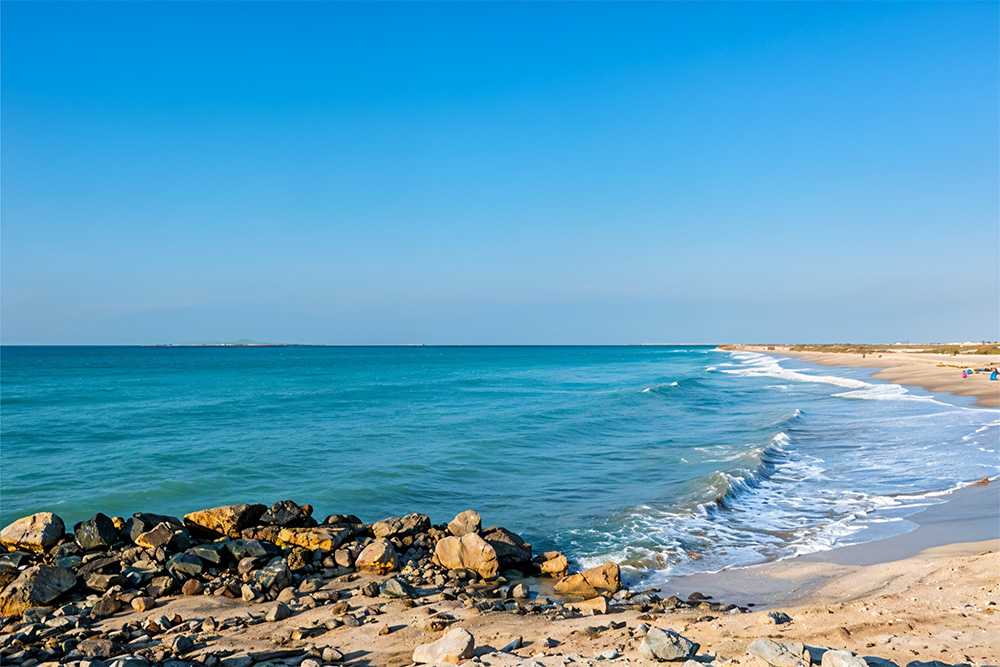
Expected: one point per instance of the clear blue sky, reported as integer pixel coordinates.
(499, 172)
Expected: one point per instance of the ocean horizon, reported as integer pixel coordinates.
(669, 459)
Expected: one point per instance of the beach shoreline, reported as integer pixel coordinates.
(936, 373)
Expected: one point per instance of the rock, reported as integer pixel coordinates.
(779, 654)
(275, 575)
(181, 644)
(242, 548)
(554, 566)
(379, 556)
(521, 592)
(575, 586)
(331, 654)
(96, 581)
(511, 550)
(327, 538)
(411, 524)
(97, 532)
(343, 558)
(287, 514)
(165, 536)
(100, 648)
(610, 654)
(342, 520)
(142, 522)
(842, 659)
(779, 617)
(192, 587)
(160, 586)
(394, 587)
(457, 644)
(143, 603)
(598, 605)
(469, 552)
(604, 577)
(184, 566)
(667, 645)
(37, 532)
(278, 612)
(34, 587)
(212, 553)
(106, 606)
(467, 522)
(225, 521)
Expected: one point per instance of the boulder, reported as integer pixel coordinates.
(598, 605)
(411, 524)
(575, 586)
(287, 514)
(467, 522)
(142, 522)
(394, 587)
(379, 556)
(842, 659)
(241, 549)
(225, 521)
(166, 536)
(556, 565)
(100, 648)
(605, 577)
(97, 532)
(34, 587)
(97, 581)
(343, 520)
(511, 550)
(779, 654)
(275, 575)
(184, 566)
(469, 552)
(667, 645)
(457, 644)
(278, 612)
(327, 538)
(37, 532)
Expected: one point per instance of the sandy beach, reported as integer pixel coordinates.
(933, 372)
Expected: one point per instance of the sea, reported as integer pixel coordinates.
(671, 460)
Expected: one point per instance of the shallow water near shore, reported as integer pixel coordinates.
(671, 460)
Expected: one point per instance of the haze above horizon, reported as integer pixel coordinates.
(513, 173)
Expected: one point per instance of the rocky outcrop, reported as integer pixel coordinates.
(469, 552)
(37, 532)
(225, 521)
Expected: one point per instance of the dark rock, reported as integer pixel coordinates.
(106, 606)
(274, 576)
(142, 522)
(342, 520)
(241, 549)
(192, 587)
(36, 586)
(511, 549)
(184, 566)
(209, 553)
(141, 574)
(96, 581)
(97, 532)
(779, 617)
(371, 589)
(105, 565)
(100, 648)
(411, 524)
(287, 514)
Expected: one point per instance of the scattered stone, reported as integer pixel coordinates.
(242, 549)
(467, 522)
(183, 566)
(521, 591)
(667, 645)
(143, 603)
(278, 612)
(610, 654)
(842, 659)
(597, 605)
(192, 587)
(457, 644)
(379, 556)
(394, 587)
(37, 532)
(97, 532)
(100, 648)
(512, 644)
(181, 643)
(275, 576)
(38, 585)
(779, 654)
(331, 654)
(225, 521)
(469, 552)
(779, 617)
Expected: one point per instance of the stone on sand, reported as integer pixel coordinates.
(379, 556)
(779, 654)
(469, 552)
(457, 644)
(666, 645)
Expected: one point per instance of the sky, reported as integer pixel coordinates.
(499, 173)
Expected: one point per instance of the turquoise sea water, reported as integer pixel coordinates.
(671, 459)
